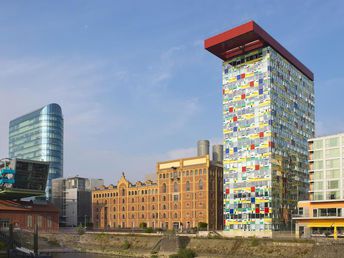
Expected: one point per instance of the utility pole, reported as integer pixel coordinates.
(85, 221)
(35, 240)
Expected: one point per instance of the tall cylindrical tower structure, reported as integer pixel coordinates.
(218, 152)
(202, 147)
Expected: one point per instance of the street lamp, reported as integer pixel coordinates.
(85, 221)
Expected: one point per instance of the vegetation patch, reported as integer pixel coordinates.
(80, 230)
(184, 253)
(255, 241)
(149, 230)
(126, 245)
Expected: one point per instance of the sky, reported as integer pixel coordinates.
(134, 81)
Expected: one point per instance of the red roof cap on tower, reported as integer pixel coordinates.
(247, 37)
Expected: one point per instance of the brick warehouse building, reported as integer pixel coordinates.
(187, 191)
(25, 215)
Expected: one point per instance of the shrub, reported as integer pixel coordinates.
(202, 226)
(149, 230)
(80, 230)
(184, 253)
(126, 245)
(255, 242)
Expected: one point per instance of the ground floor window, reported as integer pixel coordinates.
(4, 223)
(327, 231)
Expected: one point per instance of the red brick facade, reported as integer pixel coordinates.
(25, 215)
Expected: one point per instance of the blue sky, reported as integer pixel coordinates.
(133, 79)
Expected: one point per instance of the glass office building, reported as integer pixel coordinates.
(268, 116)
(39, 136)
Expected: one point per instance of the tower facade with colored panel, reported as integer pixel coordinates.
(268, 116)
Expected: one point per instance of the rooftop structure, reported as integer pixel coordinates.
(21, 178)
(245, 38)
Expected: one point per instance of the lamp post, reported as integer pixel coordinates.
(85, 221)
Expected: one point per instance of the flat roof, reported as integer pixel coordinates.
(245, 38)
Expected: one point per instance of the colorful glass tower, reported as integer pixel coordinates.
(268, 116)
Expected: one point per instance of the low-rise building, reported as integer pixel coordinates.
(323, 213)
(187, 192)
(25, 215)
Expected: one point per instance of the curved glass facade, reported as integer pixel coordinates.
(39, 136)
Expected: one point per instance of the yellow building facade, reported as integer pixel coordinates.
(323, 214)
(320, 219)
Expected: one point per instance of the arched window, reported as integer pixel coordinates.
(114, 208)
(175, 215)
(143, 216)
(164, 188)
(153, 208)
(175, 187)
(187, 186)
(114, 201)
(164, 198)
(175, 206)
(123, 192)
(132, 208)
(143, 199)
(164, 216)
(153, 199)
(164, 207)
(200, 183)
(143, 208)
(123, 209)
(132, 200)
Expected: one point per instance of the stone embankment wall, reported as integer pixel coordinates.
(141, 246)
